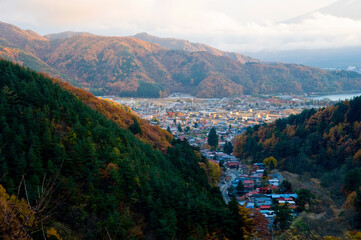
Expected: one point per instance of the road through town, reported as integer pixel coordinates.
(224, 188)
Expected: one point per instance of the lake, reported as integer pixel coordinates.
(336, 97)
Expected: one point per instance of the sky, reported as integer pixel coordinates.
(232, 25)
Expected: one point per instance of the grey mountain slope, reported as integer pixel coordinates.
(342, 8)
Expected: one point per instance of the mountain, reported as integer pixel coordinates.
(335, 58)
(324, 146)
(126, 66)
(342, 8)
(84, 177)
(319, 142)
(179, 44)
(63, 35)
(330, 58)
(123, 116)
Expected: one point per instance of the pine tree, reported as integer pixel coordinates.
(228, 148)
(135, 128)
(213, 138)
(180, 128)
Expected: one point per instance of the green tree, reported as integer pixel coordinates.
(283, 217)
(285, 187)
(228, 147)
(304, 197)
(352, 180)
(187, 129)
(168, 129)
(240, 187)
(135, 128)
(213, 138)
(180, 128)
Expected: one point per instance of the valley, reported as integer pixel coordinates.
(161, 138)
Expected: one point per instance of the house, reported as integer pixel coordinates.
(213, 161)
(248, 184)
(243, 177)
(265, 207)
(257, 179)
(233, 164)
(263, 201)
(244, 169)
(285, 195)
(264, 190)
(260, 199)
(259, 166)
(250, 205)
(274, 182)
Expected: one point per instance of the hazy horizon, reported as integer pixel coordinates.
(230, 25)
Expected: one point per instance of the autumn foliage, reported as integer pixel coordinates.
(128, 66)
(123, 116)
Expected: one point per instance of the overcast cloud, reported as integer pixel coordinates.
(233, 25)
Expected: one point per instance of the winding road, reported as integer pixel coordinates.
(224, 188)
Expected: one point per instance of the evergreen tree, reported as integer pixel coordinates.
(135, 128)
(187, 129)
(180, 128)
(213, 138)
(228, 148)
(352, 180)
(283, 217)
(168, 129)
(285, 187)
(240, 187)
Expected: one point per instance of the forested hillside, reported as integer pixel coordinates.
(323, 144)
(127, 66)
(85, 177)
(123, 116)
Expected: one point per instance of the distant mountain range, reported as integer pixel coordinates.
(129, 66)
(179, 44)
(339, 58)
(342, 8)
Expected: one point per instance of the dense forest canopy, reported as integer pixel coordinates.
(93, 179)
(323, 144)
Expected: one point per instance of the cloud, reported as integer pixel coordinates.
(229, 25)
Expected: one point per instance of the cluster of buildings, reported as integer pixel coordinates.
(261, 191)
(192, 118)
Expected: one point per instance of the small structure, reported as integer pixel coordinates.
(248, 184)
(274, 182)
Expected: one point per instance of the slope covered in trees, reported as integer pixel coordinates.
(92, 179)
(128, 66)
(323, 144)
(313, 141)
(123, 116)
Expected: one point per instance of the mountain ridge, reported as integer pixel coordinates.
(127, 66)
(179, 44)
